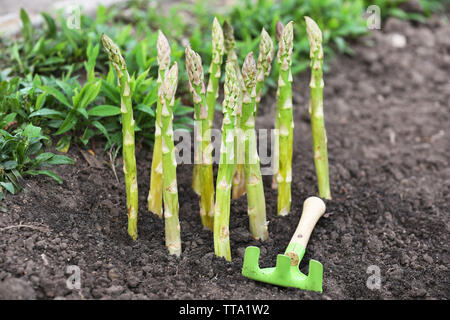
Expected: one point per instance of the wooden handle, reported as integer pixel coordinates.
(313, 209)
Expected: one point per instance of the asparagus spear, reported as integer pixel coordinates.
(203, 137)
(285, 124)
(128, 149)
(212, 92)
(276, 157)
(170, 190)
(227, 164)
(319, 135)
(155, 194)
(256, 202)
(196, 184)
(230, 49)
(264, 65)
(218, 50)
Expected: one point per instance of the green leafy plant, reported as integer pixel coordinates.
(21, 155)
(19, 97)
(55, 48)
(81, 97)
(340, 20)
(44, 52)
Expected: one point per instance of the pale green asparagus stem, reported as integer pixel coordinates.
(264, 64)
(128, 148)
(227, 164)
(155, 194)
(256, 202)
(319, 135)
(170, 190)
(276, 156)
(202, 137)
(266, 52)
(230, 48)
(196, 184)
(212, 92)
(285, 121)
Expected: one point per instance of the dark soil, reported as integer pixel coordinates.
(387, 117)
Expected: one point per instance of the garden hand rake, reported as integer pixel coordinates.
(286, 272)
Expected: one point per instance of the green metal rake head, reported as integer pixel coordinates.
(286, 272)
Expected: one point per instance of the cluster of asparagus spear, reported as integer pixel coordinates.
(239, 168)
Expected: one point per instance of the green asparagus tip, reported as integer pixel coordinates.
(285, 46)
(228, 34)
(163, 49)
(114, 53)
(194, 68)
(266, 52)
(249, 72)
(279, 30)
(288, 34)
(169, 86)
(231, 88)
(218, 40)
(314, 36)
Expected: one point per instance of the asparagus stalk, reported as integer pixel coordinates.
(285, 124)
(230, 47)
(212, 92)
(128, 149)
(276, 157)
(155, 194)
(256, 202)
(203, 137)
(264, 65)
(170, 190)
(316, 84)
(227, 164)
(196, 184)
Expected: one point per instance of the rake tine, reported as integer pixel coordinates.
(315, 275)
(251, 259)
(282, 268)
